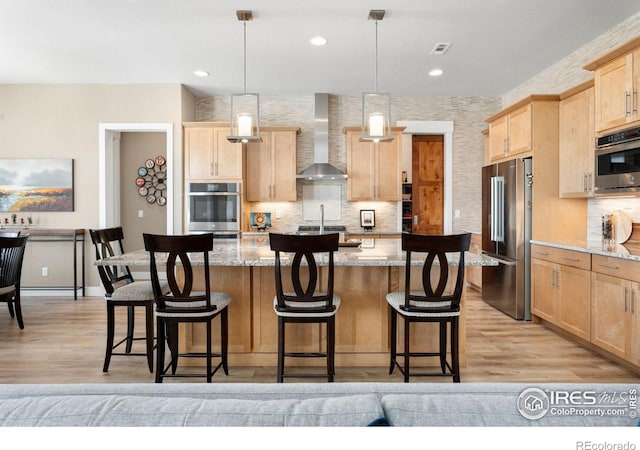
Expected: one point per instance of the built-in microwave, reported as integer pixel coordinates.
(617, 163)
(213, 207)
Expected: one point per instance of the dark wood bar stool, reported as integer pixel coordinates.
(310, 304)
(122, 290)
(11, 257)
(182, 304)
(430, 303)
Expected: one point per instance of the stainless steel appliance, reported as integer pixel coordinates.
(506, 235)
(213, 207)
(617, 164)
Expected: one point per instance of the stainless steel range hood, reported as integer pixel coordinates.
(321, 169)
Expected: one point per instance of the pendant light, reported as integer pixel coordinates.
(245, 108)
(376, 106)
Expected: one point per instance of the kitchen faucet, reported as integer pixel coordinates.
(321, 219)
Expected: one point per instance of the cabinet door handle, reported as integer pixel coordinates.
(633, 309)
(634, 102)
(609, 266)
(627, 98)
(625, 300)
(571, 259)
(590, 182)
(553, 278)
(541, 252)
(584, 182)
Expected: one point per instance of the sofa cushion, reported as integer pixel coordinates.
(122, 411)
(468, 409)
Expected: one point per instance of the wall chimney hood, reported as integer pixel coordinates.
(321, 169)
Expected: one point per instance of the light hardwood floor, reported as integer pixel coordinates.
(63, 342)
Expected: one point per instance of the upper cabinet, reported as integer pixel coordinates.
(208, 155)
(576, 162)
(271, 166)
(617, 80)
(514, 131)
(374, 169)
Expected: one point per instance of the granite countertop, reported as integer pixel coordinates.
(255, 251)
(623, 251)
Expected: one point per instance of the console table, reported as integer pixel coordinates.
(72, 235)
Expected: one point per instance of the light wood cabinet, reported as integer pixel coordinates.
(577, 138)
(510, 134)
(271, 166)
(617, 81)
(516, 131)
(373, 169)
(208, 155)
(560, 288)
(615, 288)
(534, 123)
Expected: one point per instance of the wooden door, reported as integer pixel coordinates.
(613, 84)
(519, 139)
(360, 167)
(388, 163)
(198, 145)
(610, 319)
(228, 157)
(259, 169)
(576, 145)
(284, 166)
(574, 296)
(428, 184)
(498, 130)
(543, 291)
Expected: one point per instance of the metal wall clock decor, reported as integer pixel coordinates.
(152, 180)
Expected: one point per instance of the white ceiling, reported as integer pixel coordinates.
(496, 44)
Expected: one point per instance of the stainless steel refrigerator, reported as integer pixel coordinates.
(506, 235)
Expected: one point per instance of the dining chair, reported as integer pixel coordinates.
(314, 303)
(121, 290)
(437, 302)
(171, 256)
(11, 257)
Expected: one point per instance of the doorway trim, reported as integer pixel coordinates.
(109, 181)
(444, 128)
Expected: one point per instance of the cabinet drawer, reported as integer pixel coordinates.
(617, 267)
(562, 256)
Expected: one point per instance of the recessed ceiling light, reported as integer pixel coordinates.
(201, 73)
(318, 41)
(436, 72)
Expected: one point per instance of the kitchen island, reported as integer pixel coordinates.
(363, 276)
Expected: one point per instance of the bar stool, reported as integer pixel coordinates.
(11, 257)
(182, 304)
(122, 290)
(305, 305)
(430, 303)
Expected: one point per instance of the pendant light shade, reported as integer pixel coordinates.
(245, 107)
(376, 106)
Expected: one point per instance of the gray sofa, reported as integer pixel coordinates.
(316, 404)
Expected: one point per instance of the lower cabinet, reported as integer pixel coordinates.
(560, 289)
(594, 297)
(615, 324)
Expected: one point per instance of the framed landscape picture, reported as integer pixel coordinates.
(36, 185)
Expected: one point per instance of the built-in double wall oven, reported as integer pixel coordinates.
(213, 207)
(618, 163)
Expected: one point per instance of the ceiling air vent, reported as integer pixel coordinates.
(440, 48)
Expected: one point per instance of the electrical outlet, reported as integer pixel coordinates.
(278, 214)
(456, 214)
(140, 213)
(45, 271)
